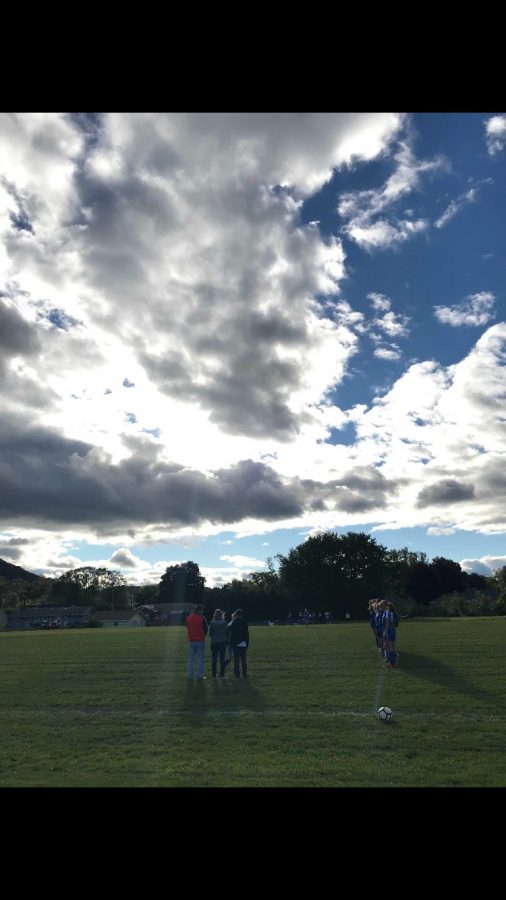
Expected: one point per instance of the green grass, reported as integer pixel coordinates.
(111, 707)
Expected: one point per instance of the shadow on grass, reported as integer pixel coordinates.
(437, 673)
(221, 697)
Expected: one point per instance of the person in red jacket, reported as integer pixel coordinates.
(197, 630)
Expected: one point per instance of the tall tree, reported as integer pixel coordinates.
(499, 579)
(20, 594)
(398, 564)
(335, 572)
(90, 586)
(146, 594)
(449, 575)
(182, 583)
(422, 583)
(476, 581)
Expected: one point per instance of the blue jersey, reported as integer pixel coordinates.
(388, 626)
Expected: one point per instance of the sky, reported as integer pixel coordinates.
(221, 333)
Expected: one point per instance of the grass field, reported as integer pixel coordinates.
(110, 707)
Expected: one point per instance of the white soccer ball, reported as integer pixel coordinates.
(385, 714)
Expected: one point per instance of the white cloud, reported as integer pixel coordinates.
(382, 234)
(487, 565)
(494, 562)
(379, 301)
(242, 562)
(475, 310)
(388, 323)
(362, 211)
(475, 565)
(454, 207)
(56, 566)
(495, 134)
(392, 324)
(388, 352)
(238, 259)
(439, 435)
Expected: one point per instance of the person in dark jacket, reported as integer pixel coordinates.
(239, 643)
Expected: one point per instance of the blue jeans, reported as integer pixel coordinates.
(196, 649)
(218, 650)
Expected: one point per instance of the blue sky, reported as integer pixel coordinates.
(221, 333)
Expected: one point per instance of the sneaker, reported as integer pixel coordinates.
(201, 678)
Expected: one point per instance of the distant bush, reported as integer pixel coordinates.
(467, 603)
(500, 609)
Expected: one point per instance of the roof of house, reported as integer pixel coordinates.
(113, 615)
(50, 611)
(169, 607)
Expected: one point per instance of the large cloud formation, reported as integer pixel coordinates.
(171, 335)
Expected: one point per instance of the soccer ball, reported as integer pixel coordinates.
(385, 714)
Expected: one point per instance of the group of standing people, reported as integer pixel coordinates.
(384, 623)
(232, 637)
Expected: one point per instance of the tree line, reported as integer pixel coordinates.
(325, 573)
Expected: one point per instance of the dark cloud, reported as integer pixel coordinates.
(10, 547)
(9, 552)
(22, 391)
(89, 124)
(124, 222)
(357, 491)
(249, 394)
(46, 478)
(123, 559)
(16, 335)
(491, 481)
(446, 491)
(21, 222)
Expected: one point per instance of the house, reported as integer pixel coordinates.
(50, 617)
(116, 618)
(147, 615)
(165, 613)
